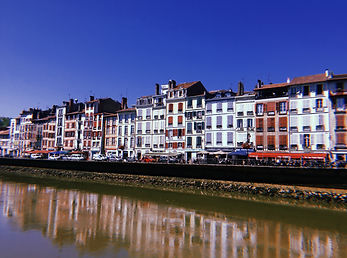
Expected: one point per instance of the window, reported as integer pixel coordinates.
(219, 107)
(139, 128)
(125, 130)
(120, 130)
(139, 114)
(199, 102)
(260, 124)
(148, 113)
(260, 109)
(283, 123)
(170, 108)
(189, 128)
(339, 86)
(306, 106)
(208, 107)
(319, 89)
(170, 120)
(208, 138)
(340, 103)
(189, 142)
(180, 107)
(180, 120)
(271, 142)
(148, 127)
(208, 122)
(249, 123)
(219, 138)
(230, 137)
(219, 121)
(271, 124)
(319, 104)
(306, 141)
(230, 121)
(230, 106)
(283, 107)
(306, 90)
(198, 142)
(239, 123)
(190, 103)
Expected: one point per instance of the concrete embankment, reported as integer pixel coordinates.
(312, 195)
(321, 185)
(336, 178)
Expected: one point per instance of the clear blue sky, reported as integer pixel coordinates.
(50, 50)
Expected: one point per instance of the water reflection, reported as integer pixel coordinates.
(92, 222)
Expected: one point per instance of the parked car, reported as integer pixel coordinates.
(115, 158)
(36, 156)
(130, 159)
(163, 159)
(100, 157)
(76, 157)
(55, 156)
(148, 159)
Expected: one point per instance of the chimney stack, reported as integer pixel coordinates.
(157, 89)
(173, 83)
(124, 104)
(240, 89)
(288, 80)
(91, 98)
(259, 84)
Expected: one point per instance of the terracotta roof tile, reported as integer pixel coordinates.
(309, 79)
(273, 85)
(185, 85)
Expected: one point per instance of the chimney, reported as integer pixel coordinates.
(70, 103)
(288, 80)
(91, 98)
(124, 104)
(240, 89)
(157, 89)
(259, 83)
(173, 83)
(170, 85)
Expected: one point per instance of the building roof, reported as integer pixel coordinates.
(185, 85)
(126, 110)
(309, 79)
(273, 85)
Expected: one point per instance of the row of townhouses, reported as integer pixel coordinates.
(301, 115)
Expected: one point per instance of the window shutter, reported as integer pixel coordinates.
(301, 139)
(183, 132)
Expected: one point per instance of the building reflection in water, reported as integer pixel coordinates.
(93, 221)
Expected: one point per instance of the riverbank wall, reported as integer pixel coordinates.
(284, 194)
(319, 177)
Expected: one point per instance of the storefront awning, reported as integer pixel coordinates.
(283, 155)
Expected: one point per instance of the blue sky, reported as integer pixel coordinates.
(53, 50)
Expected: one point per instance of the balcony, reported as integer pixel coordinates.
(260, 147)
(319, 109)
(306, 128)
(271, 129)
(139, 118)
(155, 117)
(260, 113)
(155, 131)
(271, 113)
(148, 131)
(239, 129)
(250, 128)
(219, 142)
(155, 145)
(148, 117)
(219, 126)
(239, 113)
(320, 128)
(340, 128)
(230, 109)
(271, 147)
(230, 126)
(293, 147)
(139, 131)
(293, 128)
(189, 145)
(283, 147)
(260, 129)
(208, 143)
(147, 145)
(189, 131)
(161, 145)
(219, 110)
(283, 112)
(306, 110)
(209, 111)
(320, 146)
(161, 130)
(198, 146)
(283, 129)
(250, 113)
(161, 116)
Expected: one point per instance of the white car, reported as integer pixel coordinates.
(76, 157)
(114, 158)
(36, 156)
(55, 157)
(99, 157)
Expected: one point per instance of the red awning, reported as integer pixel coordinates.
(284, 155)
(38, 151)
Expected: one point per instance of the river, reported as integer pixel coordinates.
(58, 219)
